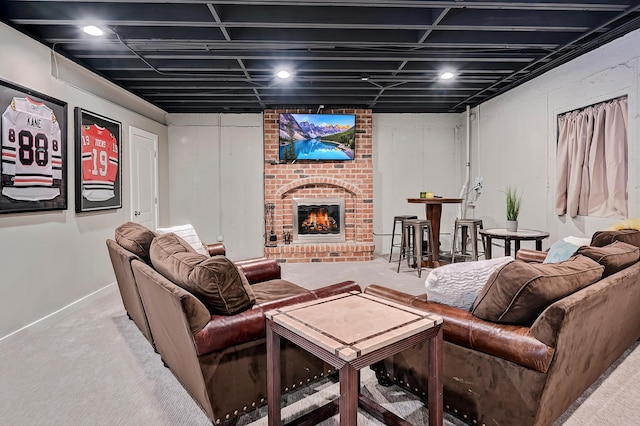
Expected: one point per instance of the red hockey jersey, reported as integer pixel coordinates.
(100, 160)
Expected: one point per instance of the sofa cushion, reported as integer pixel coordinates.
(216, 281)
(614, 257)
(268, 291)
(136, 238)
(517, 292)
(222, 287)
(458, 284)
(604, 238)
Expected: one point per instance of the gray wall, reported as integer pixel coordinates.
(414, 153)
(514, 137)
(216, 166)
(51, 259)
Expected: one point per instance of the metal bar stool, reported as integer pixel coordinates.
(397, 219)
(413, 242)
(468, 229)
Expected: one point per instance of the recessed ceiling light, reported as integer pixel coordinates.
(446, 75)
(92, 30)
(283, 74)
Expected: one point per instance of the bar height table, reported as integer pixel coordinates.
(350, 331)
(433, 210)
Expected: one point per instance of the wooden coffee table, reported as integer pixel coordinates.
(351, 331)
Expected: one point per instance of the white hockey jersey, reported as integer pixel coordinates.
(31, 151)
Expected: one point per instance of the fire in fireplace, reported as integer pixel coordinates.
(318, 220)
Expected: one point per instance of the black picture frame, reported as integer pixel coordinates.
(33, 130)
(98, 162)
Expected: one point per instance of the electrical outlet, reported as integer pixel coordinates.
(479, 182)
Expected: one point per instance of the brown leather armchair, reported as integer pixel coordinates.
(256, 270)
(219, 359)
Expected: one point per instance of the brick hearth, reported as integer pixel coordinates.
(351, 180)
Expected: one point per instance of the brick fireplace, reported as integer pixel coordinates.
(349, 181)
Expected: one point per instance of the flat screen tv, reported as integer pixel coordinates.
(317, 137)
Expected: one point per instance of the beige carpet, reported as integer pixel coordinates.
(90, 365)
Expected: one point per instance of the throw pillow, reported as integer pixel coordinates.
(614, 257)
(458, 284)
(631, 223)
(578, 241)
(604, 238)
(560, 251)
(174, 258)
(222, 287)
(136, 238)
(517, 292)
(188, 233)
(216, 281)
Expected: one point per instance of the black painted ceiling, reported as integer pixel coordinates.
(197, 56)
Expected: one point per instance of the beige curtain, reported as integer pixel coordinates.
(591, 161)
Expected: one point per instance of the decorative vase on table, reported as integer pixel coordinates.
(513, 208)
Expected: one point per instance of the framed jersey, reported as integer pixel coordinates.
(33, 128)
(98, 162)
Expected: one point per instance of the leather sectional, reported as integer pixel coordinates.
(529, 373)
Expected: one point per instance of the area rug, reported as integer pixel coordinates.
(393, 398)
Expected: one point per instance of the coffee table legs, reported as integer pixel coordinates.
(350, 397)
(349, 391)
(273, 377)
(434, 398)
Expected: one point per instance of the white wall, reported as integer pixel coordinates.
(414, 153)
(216, 163)
(51, 259)
(514, 137)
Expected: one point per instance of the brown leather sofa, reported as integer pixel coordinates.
(506, 374)
(219, 359)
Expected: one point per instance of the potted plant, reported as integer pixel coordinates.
(513, 208)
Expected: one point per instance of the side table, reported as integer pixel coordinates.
(351, 331)
(515, 236)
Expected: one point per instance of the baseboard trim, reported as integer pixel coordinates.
(56, 312)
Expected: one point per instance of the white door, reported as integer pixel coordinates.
(144, 177)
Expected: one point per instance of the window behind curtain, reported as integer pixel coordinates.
(592, 161)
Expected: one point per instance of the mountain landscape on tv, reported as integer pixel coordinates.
(317, 137)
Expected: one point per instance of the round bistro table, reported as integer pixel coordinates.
(516, 237)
